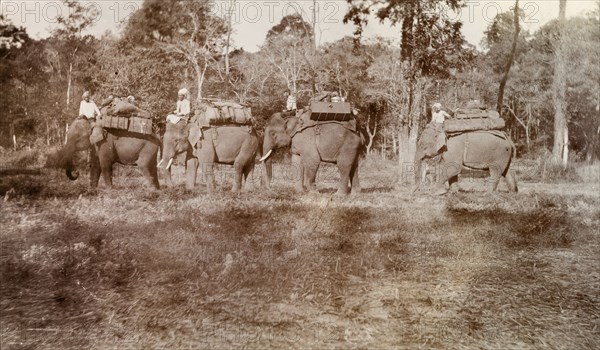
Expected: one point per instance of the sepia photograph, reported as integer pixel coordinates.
(299, 174)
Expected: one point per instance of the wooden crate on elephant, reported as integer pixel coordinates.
(331, 111)
(140, 125)
(115, 122)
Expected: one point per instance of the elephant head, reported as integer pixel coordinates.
(278, 134)
(178, 139)
(426, 148)
(78, 139)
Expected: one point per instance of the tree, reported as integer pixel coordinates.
(288, 48)
(560, 149)
(511, 58)
(13, 43)
(528, 103)
(70, 31)
(431, 45)
(507, 58)
(144, 72)
(341, 67)
(10, 36)
(196, 36)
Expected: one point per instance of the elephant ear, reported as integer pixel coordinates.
(431, 141)
(291, 125)
(194, 134)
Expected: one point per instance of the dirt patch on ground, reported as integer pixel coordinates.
(134, 268)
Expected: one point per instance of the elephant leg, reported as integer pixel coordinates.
(345, 171)
(147, 165)
(511, 181)
(237, 177)
(168, 177)
(495, 173)
(449, 172)
(310, 169)
(150, 174)
(354, 182)
(297, 172)
(453, 183)
(248, 179)
(94, 169)
(191, 171)
(154, 175)
(208, 173)
(106, 167)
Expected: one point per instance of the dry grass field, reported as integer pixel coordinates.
(129, 268)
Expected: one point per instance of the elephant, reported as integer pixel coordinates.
(235, 145)
(484, 150)
(119, 146)
(313, 143)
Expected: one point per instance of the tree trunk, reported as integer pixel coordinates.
(69, 84)
(227, 46)
(560, 149)
(406, 162)
(199, 79)
(511, 58)
(415, 117)
(371, 134)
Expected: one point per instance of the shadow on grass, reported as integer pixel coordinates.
(535, 222)
(379, 189)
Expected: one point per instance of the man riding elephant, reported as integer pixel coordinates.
(211, 136)
(89, 110)
(474, 140)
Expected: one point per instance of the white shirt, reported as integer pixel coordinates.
(439, 116)
(291, 103)
(89, 109)
(183, 107)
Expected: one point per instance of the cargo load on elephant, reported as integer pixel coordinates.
(473, 119)
(216, 112)
(331, 111)
(118, 113)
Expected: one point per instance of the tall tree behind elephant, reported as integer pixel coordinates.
(119, 146)
(483, 150)
(315, 142)
(235, 145)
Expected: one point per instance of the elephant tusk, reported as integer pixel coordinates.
(266, 156)
(159, 163)
(169, 164)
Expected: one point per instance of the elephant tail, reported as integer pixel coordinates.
(364, 138)
(514, 147)
(512, 144)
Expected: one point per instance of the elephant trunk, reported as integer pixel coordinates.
(71, 173)
(168, 154)
(64, 159)
(418, 176)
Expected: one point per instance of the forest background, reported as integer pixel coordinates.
(545, 83)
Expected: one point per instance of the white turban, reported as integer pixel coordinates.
(437, 105)
(183, 92)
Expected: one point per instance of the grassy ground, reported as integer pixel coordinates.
(132, 268)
